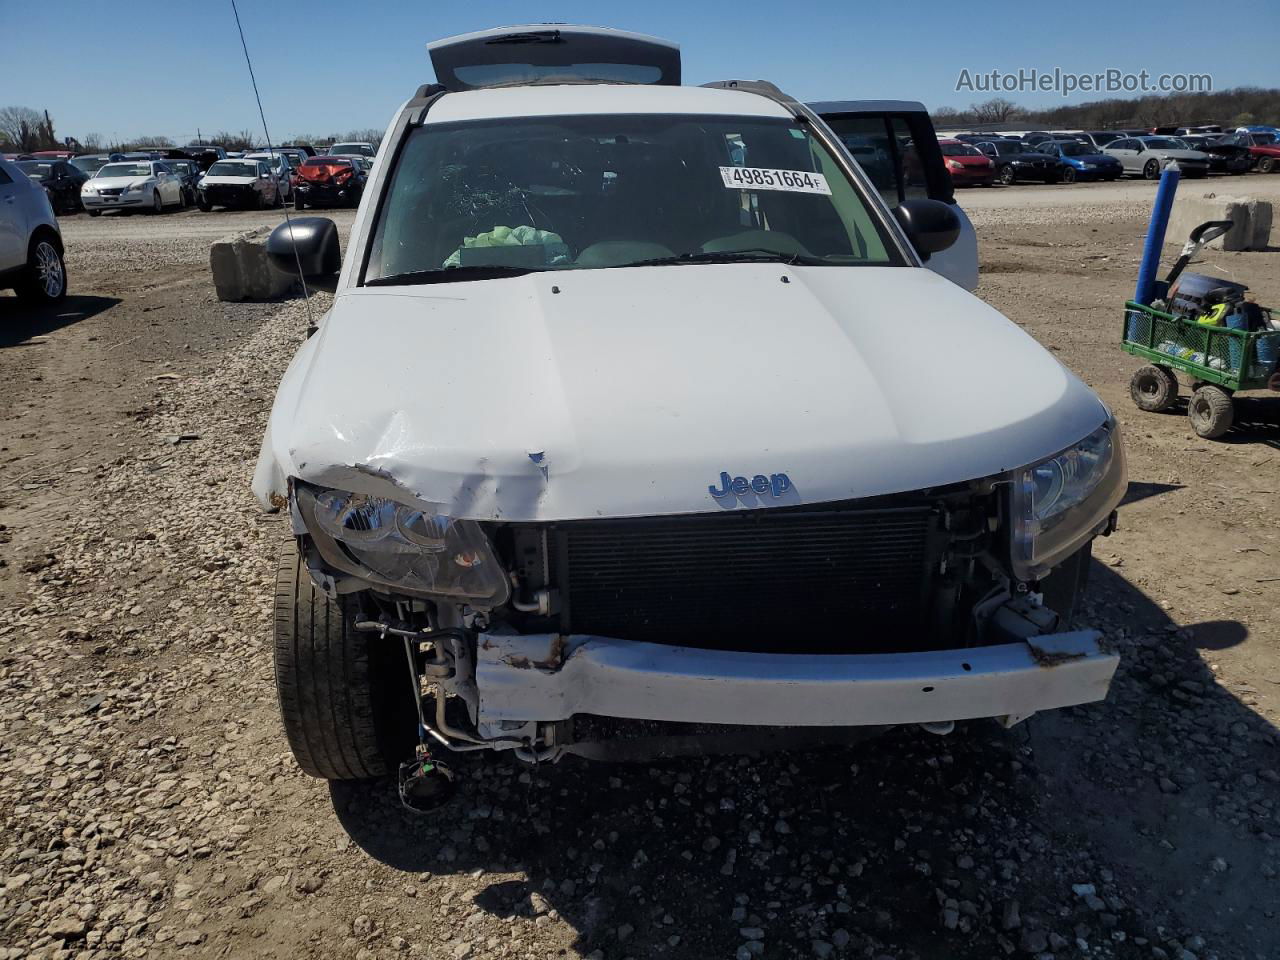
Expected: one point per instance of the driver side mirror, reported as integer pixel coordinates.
(931, 225)
(306, 243)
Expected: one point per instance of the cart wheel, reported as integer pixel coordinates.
(1210, 411)
(1153, 388)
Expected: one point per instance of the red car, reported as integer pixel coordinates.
(966, 164)
(1263, 148)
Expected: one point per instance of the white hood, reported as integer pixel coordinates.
(630, 391)
(117, 183)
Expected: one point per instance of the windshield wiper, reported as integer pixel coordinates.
(450, 275)
(754, 254)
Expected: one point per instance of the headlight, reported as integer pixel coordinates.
(1061, 503)
(136, 187)
(403, 547)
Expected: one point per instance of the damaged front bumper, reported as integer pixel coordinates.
(549, 677)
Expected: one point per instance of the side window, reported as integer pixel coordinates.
(869, 141)
(4, 177)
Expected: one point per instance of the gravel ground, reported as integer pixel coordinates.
(149, 806)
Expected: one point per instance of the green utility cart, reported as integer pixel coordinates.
(1219, 360)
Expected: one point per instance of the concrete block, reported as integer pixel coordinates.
(241, 270)
(1252, 219)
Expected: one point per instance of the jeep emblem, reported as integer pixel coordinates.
(776, 484)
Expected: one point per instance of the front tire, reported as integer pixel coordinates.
(44, 280)
(344, 695)
(1151, 170)
(1210, 411)
(1266, 164)
(204, 205)
(157, 202)
(1069, 175)
(1007, 176)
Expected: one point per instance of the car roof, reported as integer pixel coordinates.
(824, 107)
(590, 98)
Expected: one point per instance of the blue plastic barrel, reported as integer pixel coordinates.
(1236, 320)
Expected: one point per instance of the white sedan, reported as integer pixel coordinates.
(132, 185)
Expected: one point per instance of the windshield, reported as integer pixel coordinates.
(1163, 143)
(959, 150)
(1006, 147)
(362, 149)
(1073, 148)
(125, 170)
(36, 169)
(234, 168)
(89, 165)
(608, 191)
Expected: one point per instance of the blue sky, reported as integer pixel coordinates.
(324, 66)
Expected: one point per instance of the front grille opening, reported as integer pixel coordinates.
(861, 577)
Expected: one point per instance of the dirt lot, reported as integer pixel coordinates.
(149, 807)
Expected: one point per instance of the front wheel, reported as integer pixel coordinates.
(44, 280)
(1069, 175)
(1153, 388)
(95, 213)
(1266, 164)
(1007, 176)
(345, 696)
(1210, 411)
(157, 202)
(1152, 170)
(204, 205)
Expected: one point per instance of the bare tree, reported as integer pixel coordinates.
(995, 110)
(91, 143)
(25, 128)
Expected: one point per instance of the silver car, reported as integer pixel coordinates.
(1149, 155)
(30, 241)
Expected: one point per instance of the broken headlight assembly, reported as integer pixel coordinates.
(1064, 501)
(403, 547)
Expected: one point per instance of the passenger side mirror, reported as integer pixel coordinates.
(931, 225)
(309, 243)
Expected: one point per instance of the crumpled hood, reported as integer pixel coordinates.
(629, 392)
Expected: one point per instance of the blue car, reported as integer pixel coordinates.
(1080, 161)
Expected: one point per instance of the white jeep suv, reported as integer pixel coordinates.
(30, 242)
(638, 425)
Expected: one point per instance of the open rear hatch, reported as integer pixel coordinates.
(552, 53)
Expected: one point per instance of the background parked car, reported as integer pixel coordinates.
(359, 149)
(329, 182)
(1099, 138)
(132, 185)
(246, 184)
(1147, 156)
(1263, 149)
(60, 180)
(30, 241)
(188, 174)
(90, 164)
(281, 169)
(1081, 161)
(1224, 157)
(967, 164)
(1015, 160)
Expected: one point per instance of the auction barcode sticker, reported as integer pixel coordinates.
(758, 178)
